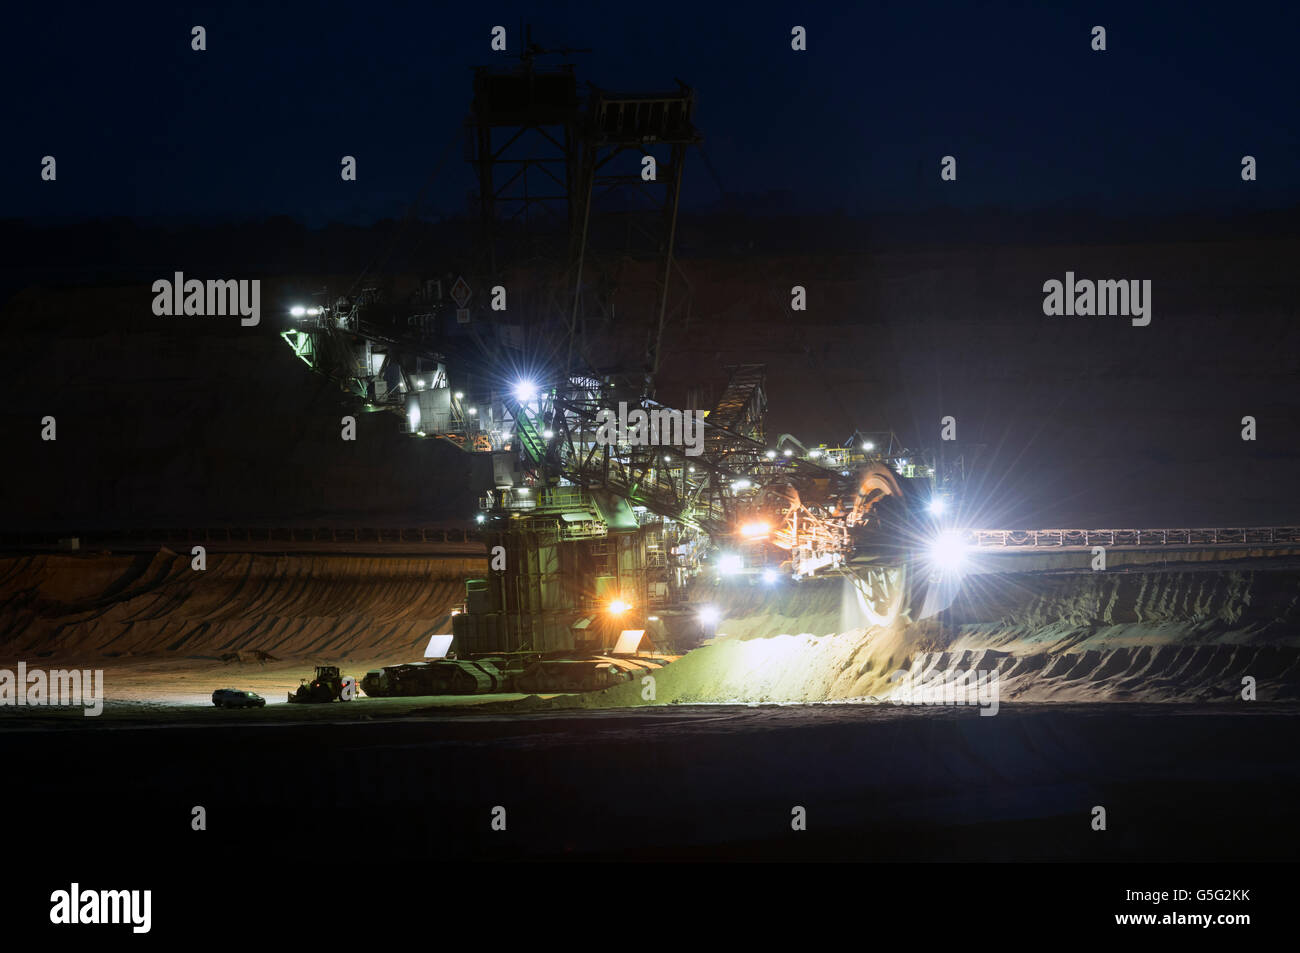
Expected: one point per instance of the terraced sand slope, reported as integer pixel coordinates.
(1158, 636)
(1186, 635)
(98, 606)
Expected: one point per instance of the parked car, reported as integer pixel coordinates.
(234, 698)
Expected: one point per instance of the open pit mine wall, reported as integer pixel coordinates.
(1157, 636)
(166, 421)
(1149, 636)
(288, 606)
(1231, 604)
(1204, 604)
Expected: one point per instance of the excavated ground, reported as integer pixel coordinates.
(164, 633)
(1154, 636)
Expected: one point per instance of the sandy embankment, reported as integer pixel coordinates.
(1152, 636)
(160, 630)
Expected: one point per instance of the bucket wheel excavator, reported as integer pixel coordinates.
(860, 523)
(860, 510)
(591, 520)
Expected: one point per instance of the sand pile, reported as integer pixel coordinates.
(1160, 636)
(289, 606)
(1185, 635)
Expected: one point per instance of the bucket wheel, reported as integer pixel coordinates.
(876, 483)
(881, 592)
(882, 588)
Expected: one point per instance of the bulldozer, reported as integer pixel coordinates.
(327, 686)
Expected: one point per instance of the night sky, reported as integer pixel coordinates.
(183, 156)
(142, 126)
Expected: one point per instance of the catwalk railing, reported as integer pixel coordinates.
(1059, 538)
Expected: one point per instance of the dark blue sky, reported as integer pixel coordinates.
(142, 126)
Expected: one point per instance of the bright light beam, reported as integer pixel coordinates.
(947, 552)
